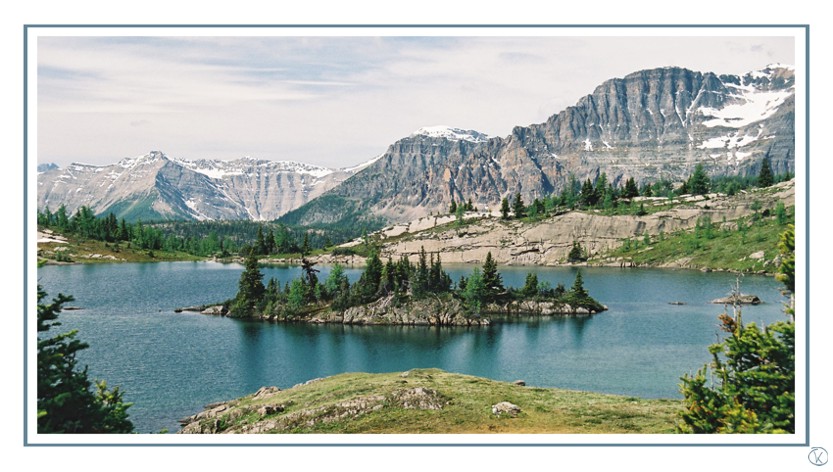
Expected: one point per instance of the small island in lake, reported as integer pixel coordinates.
(400, 293)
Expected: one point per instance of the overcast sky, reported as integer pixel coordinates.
(331, 101)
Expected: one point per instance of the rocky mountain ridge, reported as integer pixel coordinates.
(549, 241)
(155, 186)
(649, 125)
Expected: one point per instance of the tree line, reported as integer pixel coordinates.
(602, 194)
(204, 239)
(401, 280)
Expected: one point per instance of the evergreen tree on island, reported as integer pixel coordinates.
(250, 290)
(491, 279)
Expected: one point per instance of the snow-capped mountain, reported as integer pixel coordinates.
(451, 134)
(650, 125)
(154, 186)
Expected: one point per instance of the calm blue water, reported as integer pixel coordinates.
(170, 365)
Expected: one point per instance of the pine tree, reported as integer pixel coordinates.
(270, 242)
(492, 279)
(631, 189)
(504, 209)
(587, 196)
(530, 288)
(698, 183)
(602, 187)
(250, 291)
(577, 291)
(66, 401)
(474, 291)
(260, 243)
(421, 278)
(368, 284)
(518, 207)
(749, 387)
(765, 178)
(576, 253)
(305, 248)
(452, 209)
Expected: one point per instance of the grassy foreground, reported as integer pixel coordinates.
(432, 401)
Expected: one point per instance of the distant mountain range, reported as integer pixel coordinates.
(156, 187)
(648, 125)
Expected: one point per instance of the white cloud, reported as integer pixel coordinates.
(331, 101)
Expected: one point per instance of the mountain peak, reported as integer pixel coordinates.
(451, 133)
(149, 158)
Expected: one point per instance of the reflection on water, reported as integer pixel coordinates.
(170, 364)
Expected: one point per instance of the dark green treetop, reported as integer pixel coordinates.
(66, 400)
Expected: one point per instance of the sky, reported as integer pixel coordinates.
(331, 101)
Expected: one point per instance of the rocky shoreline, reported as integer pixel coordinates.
(432, 311)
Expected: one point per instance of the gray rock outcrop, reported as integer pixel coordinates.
(506, 408)
(648, 125)
(741, 299)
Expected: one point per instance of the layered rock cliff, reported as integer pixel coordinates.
(650, 125)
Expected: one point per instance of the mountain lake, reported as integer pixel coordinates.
(171, 364)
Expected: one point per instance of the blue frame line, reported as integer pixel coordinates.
(806, 28)
(807, 228)
(25, 232)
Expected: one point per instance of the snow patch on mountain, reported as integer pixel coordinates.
(363, 165)
(451, 133)
(730, 141)
(755, 101)
(755, 105)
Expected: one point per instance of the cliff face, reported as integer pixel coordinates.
(548, 242)
(649, 125)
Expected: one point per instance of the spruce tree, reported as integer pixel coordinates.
(518, 206)
(577, 292)
(474, 291)
(452, 209)
(698, 183)
(368, 283)
(260, 243)
(491, 278)
(765, 178)
(66, 400)
(504, 209)
(631, 189)
(749, 387)
(530, 288)
(577, 253)
(250, 290)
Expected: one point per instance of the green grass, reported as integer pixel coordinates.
(724, 249)
(81, 251)
(325, 406)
